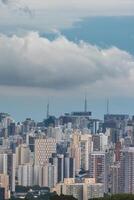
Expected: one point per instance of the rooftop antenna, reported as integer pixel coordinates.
(85, 102)
(48, 109)
(107, 106)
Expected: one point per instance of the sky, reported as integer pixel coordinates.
(56, 51)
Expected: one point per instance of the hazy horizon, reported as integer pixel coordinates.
(55, 51)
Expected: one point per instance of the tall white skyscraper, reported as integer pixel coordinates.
(25, 175)
(75, 151)
(80, 148)
(86, 148)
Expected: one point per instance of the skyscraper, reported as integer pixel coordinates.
(11, 167)
(75, 151)
(22, 154)
(25, 175)
(98, 168)
(65, 166)
(7, 166)
(44, 147)
(127, 170)
(86, 148)
(69, 166)
(114, 176)
(4, 183)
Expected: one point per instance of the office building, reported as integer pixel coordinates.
(22, 154)
(4, 183)
(44, 147)
(7, 166)
(26, 175)
(86, 149)
(75, 151)
(98, 168)
(81, 190)
(65, 166)
(127, 170)
(114, 178)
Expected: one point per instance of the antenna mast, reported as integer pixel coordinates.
(85, 103)
(48, 109)
(107, 106)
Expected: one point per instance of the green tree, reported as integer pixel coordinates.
(62, 197)
(29, 196)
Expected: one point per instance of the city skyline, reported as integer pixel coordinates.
(41, 112)
(66, 99)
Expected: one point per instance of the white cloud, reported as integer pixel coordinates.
(61, 65)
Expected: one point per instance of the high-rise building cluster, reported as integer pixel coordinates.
(73, 154)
